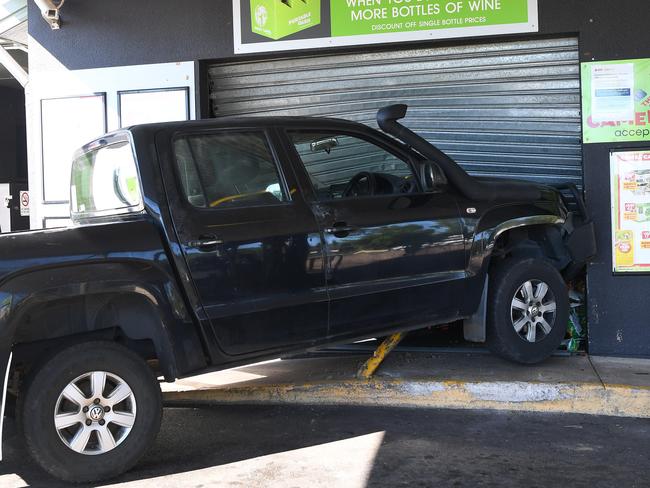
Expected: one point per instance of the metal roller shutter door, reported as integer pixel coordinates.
(506, 109)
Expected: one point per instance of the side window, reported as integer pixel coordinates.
(342, 166)
(223, 170)
(105, 181)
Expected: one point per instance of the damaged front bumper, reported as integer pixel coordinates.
(579, 231)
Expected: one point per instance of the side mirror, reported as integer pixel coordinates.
(432, 176)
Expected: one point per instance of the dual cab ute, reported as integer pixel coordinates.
(204, 245)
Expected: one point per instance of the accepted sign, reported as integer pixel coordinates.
(277, 25)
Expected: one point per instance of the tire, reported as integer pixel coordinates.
(82, 453)
(509, 322)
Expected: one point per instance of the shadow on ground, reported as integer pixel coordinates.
(414, 448)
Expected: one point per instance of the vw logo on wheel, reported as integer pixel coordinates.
(96, 413)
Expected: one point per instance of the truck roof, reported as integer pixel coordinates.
(272, 121)
(149, 130)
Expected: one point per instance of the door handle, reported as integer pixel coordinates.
(339, 229)
(205, 241)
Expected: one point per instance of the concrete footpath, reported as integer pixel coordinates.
(563, 384)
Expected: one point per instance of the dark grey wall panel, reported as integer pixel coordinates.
(618, 305)
(13, 142)
(96, 33)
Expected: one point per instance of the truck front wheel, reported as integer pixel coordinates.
(91, 411)
(528, 310)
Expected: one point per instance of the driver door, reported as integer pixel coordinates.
(394, 253)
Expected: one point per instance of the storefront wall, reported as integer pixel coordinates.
(131, 33)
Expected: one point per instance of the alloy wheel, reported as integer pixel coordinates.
(95, 413)
(533, 311)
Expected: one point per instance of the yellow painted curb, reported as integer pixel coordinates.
(586, 398)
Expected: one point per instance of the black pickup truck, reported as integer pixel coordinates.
(208, 244)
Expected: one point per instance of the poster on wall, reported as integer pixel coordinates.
(630, 190)
(279, 25)
(616, 101)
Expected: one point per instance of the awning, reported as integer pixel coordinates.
(13, 40)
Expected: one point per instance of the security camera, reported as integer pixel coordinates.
(52, 18)
(50, 11)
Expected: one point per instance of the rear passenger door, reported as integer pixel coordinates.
(395, 254)
(250, 241)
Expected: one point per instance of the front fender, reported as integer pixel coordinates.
(484, 240)
(477, 270)
(480, 254)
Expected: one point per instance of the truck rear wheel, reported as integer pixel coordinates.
(91, 411)
(528, 310)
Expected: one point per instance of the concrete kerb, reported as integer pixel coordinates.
(581, 398)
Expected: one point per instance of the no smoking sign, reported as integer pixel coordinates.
(24, 204)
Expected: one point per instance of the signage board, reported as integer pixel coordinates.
(616, 101)
(279, 25)
(630, 190)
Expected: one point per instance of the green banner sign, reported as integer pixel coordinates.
(616, 101)
(359, 17)
(277, 25)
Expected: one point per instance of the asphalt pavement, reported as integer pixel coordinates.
(351, 447)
